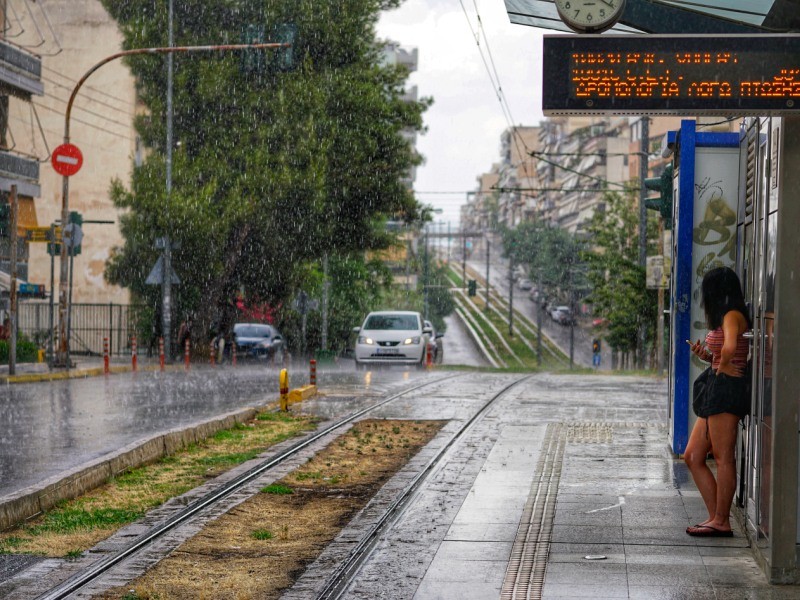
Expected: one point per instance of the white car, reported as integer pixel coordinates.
(391, 337)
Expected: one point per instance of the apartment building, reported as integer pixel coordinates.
(67, 39)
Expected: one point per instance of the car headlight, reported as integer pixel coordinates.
(411, 340)
(365, 340)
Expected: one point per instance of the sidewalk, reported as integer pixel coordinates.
(606, 519)
(83, 366)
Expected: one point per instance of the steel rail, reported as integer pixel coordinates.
(93, 572)
(344, 574)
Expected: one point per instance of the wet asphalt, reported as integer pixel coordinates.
(618, 492)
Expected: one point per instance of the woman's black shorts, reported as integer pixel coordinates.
(725, 394)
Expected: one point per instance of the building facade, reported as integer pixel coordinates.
(70, 38)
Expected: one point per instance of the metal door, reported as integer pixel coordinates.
(756, 267)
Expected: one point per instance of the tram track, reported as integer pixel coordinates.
(94, 572)
(346, 572)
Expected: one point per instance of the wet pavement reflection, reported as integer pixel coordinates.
(51, 427)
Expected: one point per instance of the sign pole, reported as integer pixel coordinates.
(63, 276)
(12, 335)
(166, 282)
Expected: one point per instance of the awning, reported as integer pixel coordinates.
(675, 16)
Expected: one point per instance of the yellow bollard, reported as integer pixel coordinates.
(284, 383)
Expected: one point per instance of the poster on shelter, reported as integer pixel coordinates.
(716, 197)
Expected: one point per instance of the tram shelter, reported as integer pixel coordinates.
(736, 202)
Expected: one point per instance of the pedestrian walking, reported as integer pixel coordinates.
(725, 401)
(184, 333)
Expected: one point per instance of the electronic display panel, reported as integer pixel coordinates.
(729, 75)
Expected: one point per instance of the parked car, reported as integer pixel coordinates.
(437, 344)
(525, 284)
(562, 315)
(391, 337)
(259, 340)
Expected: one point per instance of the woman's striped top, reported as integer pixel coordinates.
(714, 341)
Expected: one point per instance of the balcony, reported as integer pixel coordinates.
(20, 171)
(20, 72)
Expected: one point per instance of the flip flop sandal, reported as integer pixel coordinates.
(708, 531)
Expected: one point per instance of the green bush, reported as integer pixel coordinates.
(27, 351)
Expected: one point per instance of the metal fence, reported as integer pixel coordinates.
(90, 324)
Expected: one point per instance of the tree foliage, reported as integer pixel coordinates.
(617, 280)
(271, 169)
(551, 256)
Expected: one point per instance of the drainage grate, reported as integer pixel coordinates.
(528, 563)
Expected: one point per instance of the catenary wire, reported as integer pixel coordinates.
(495, 80)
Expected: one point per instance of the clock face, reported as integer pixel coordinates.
(593, 16)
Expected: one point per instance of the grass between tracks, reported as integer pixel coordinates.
(261, 547)
(76, 525)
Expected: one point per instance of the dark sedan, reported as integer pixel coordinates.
(258, 340)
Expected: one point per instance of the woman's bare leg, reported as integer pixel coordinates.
(695, 457)
(722, 430)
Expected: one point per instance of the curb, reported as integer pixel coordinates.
(78, 373)
(34, 500)
(302, 393)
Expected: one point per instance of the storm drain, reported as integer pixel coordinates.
(528, 563)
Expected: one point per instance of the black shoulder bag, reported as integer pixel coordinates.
(699, 391)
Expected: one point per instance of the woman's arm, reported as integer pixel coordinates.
(732, 325)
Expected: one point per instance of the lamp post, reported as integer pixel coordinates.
(63, 284)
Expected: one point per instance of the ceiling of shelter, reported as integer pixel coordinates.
(676, 16)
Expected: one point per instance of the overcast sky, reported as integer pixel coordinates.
(466, 119)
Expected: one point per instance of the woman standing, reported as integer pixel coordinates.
(726, 401)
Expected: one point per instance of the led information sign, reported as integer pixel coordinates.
(671, 74)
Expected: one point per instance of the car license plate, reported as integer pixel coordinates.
(388, 351)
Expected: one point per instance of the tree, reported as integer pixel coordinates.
(272, 169)
(617, 280)
(552, 256)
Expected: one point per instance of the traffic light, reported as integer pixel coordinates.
(472, 287)
(595, 346)
(663, 204)
(76, 218)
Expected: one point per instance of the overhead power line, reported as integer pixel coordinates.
(579, 174)
(494, 77)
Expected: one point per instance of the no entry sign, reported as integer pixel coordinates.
(67, 159)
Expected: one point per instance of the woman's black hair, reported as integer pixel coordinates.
(722, 292)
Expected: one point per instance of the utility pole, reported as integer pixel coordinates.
(539, 317)
(425, 276)
(166, 282)
(488, 244)
(510, 296)
(448, 242)
(12, 239)
(325, 286)
(643, 169)
(464, 259)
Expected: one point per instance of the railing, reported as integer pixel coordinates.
(90, 324)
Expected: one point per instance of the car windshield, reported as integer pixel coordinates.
(251, 331)
(392, 322)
